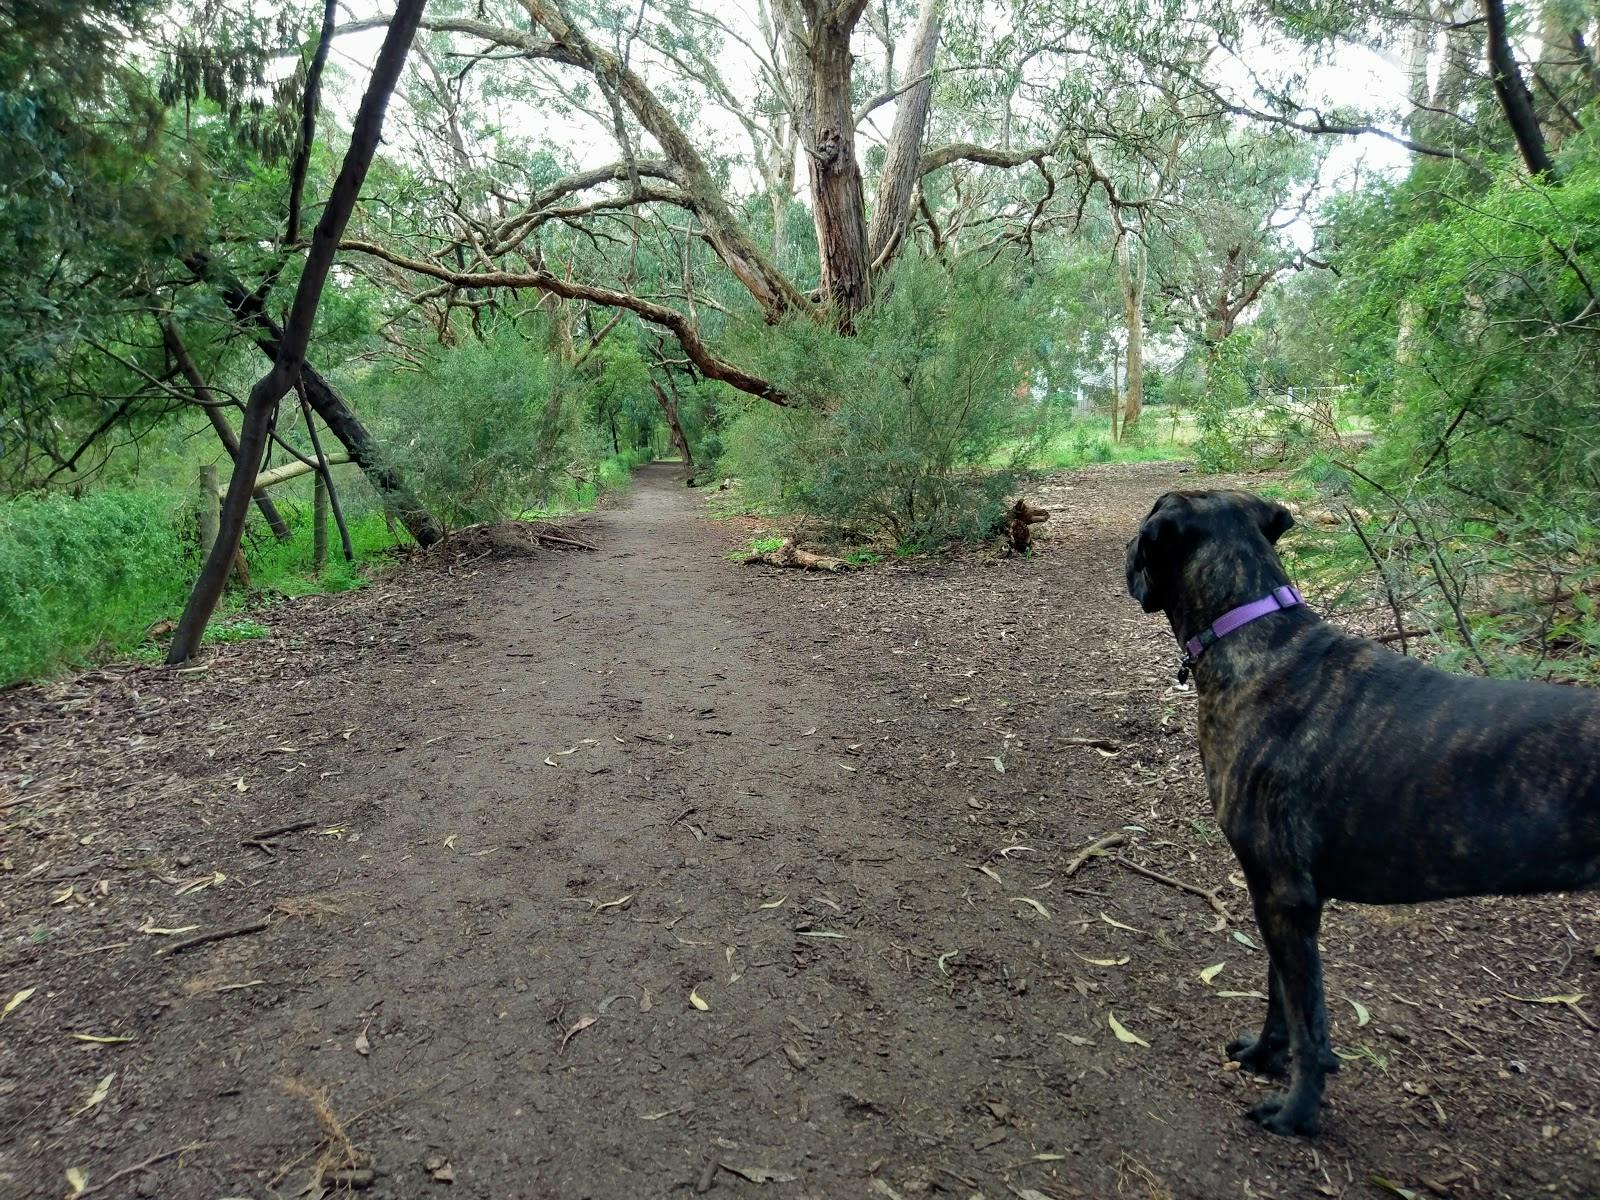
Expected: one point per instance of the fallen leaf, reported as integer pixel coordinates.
(1566, 998)
(363, 1046)
(778, 903)
(1211, 972)
(1393, 1188)
(76, 1180)
(63, 895)
(1116, 924)
(98, 1096)
(694, 999)
(16, 1000)
(1125, 1034)
(991, 873)
(1076, 1040)
(578, 1027)
(1033, 904)
(450, 842)
(998, 765)
(946, 957)
(620, 902)
(98, 1040)
(759, 1174)
(1104, 962)
(157, 930)
(550, 762)
(1049, 1158)
(822, 933)
(1362, 1015)
(1241, 995)
(1008, 851)
(842, 767)
(564, 753)
(1244, 939)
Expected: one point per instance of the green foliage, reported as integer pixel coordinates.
(909, 430)
(1471, 330)
(79, 575)
(484, 428)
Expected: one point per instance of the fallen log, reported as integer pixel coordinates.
(790, 555)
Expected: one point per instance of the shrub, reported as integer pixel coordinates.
(480, 433)
(911, 429)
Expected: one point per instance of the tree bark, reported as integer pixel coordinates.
(219, 421)
(892, 204)
(1512, 92)
(1131, 273)
(290, 356)
(837, 198)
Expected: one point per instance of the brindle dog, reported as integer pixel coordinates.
(1339, 769)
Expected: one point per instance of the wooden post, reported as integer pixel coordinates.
(208, 509)
(319, 523)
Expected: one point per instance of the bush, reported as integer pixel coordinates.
(481, 432)
(81, 575)
(911, 429)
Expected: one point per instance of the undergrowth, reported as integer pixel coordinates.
(85, 580)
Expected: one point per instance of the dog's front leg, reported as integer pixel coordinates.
(1268, 1052)
(1290, 915)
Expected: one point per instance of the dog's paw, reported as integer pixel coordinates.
(1287, 1114)
(1253, 1054)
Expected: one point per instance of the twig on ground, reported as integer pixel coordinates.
(218, 936)
(564, 541)
(141, 1166)
(1209, 895)
(266, 835)
(1094, 849)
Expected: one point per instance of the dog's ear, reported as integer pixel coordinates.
(1149, 565)
(1275, 520)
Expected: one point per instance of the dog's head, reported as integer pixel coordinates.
(1237, 523)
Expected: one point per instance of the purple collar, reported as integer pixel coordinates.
(1286, 596)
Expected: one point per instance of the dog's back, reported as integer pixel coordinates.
(1397, 782)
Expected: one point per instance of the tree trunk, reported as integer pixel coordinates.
(219, 421)
(1116, 398)
(897, 186)
(291, 350)
(1512, 92)
(339, 417)
(838, 201)
(319, 524)
(1131, 264)
(669, 406)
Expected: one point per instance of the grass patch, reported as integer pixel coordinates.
(1079, 443)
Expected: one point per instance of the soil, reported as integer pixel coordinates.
(642, 873)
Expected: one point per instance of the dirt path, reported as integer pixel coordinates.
(579, 791)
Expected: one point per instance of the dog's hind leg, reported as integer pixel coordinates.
(1290, 914)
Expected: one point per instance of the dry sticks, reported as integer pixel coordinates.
(1099, 849)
